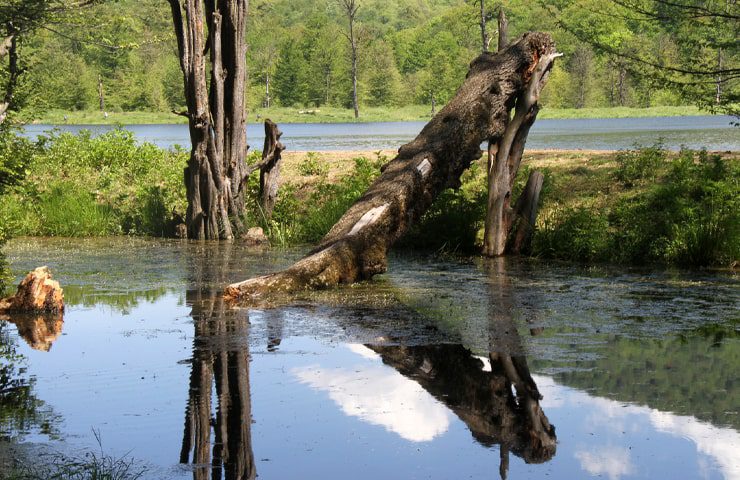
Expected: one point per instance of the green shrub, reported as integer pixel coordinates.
(312, 165)
(80, 185)
(689, 216)
(639, 164)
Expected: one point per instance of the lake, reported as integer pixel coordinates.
(441, 368)
(711, 132)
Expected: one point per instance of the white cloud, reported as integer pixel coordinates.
(381, 396)
(613, 462)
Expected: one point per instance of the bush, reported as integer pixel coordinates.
(640, 164)
(80, 185)
(690, 216)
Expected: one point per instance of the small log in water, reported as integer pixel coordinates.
(355, 248)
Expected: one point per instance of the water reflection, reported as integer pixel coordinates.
(220, 358)
(38, 330)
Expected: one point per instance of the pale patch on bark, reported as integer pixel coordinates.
(371, 216)
(424, 167)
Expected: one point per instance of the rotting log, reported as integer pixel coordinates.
(355, 247)
(37, 293)
(270, 167)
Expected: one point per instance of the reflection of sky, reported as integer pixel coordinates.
(380, 396)
(623, 434)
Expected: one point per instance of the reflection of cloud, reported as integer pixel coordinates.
(720, 445)
(611, 461)
(363, 351)
(381, 396)
(723, 444)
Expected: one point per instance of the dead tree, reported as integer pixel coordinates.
(101, 93)
(270, 167)
(211, 41)
(355, 247)
(504, 157)
(351, 7)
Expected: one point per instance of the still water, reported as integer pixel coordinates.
(711, 132)
(442, 368)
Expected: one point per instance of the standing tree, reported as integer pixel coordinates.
(211, 41)
(351, 7)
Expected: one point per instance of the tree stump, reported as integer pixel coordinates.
(37, 293)
(270, 167)
(355, 247)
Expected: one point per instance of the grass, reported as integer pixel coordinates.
(342, 115)
(89, 465)
(639, 206)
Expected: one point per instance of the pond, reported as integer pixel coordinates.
(444, 367)
(711, 132)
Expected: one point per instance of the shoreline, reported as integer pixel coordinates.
(329, 115)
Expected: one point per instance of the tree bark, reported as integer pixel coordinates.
(485, 40)
(505, 154)
(270, 169)
(215, 175)
(355, 248)
(9, 47)
(526, 213)
(351, 8)
(503, 29)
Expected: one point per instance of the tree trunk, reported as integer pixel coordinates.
(526, 213)
(215, 175)
(351, 8)
(37, 293)
(101, 96)
(505, 156)
(9, 47)
(355, 248)
(485, 40)
(503, 29)
(270, 169)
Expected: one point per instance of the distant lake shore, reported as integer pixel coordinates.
(341, 115)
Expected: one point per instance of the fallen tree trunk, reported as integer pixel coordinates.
(355, 248)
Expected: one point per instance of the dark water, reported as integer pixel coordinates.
(711, 132)
(434, 370)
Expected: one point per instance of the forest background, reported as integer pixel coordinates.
(410, 52)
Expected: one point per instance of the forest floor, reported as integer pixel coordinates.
(340, 115)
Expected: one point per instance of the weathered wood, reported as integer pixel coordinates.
(37, 293)
(526, 213)
(351, 7)
(355, 247)
(216, 117)
(270, 169)
(503, 29)
(505, 158)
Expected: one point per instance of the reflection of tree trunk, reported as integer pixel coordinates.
(483, 400)
(220, 356)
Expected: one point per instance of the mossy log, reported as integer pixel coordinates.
(355, 247)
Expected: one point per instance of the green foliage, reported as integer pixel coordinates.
(641, 164)
(80, 185)
(312, 165)
(455, 219)
(690, 215)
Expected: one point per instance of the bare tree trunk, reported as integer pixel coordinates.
(351, 8)
(270, 171)
(267, 90)
(505, 156)
(215, 175)
(101, 96)
(503, 29)
(718, 96)
(355, 248)
(485, 40)
(526, 213)
(9, 47)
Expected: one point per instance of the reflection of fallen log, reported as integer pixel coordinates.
(36, 309)
(484, 400)
(355, 248)
(37, 293)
